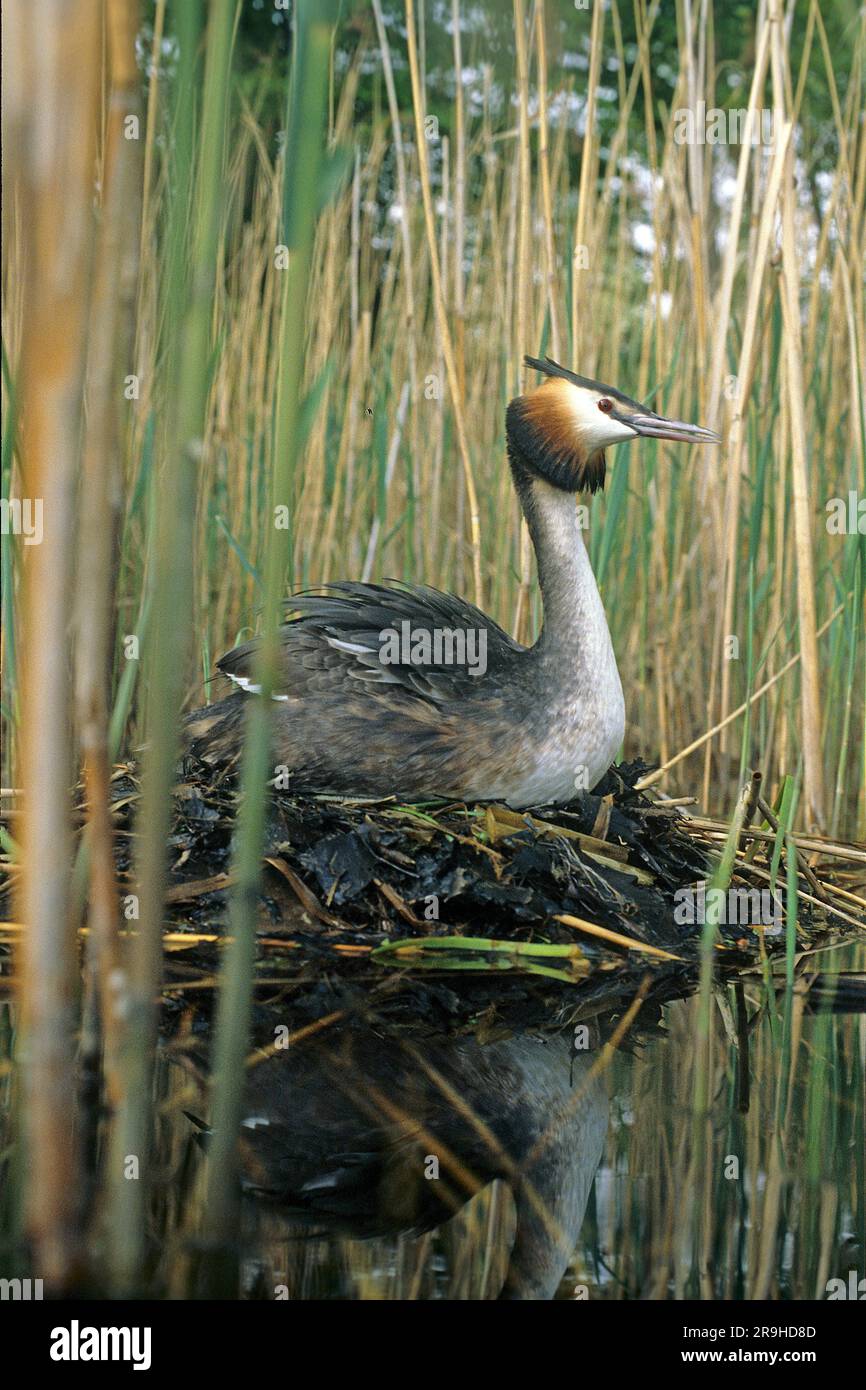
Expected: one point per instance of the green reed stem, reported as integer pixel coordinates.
(303, 161)
(189, 305)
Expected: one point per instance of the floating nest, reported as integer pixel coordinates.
(446, 918)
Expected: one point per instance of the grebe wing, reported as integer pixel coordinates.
(340, 635)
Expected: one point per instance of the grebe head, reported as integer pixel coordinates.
(562, 428)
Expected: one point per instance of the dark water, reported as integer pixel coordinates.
(598, 1163)
(376, 1168)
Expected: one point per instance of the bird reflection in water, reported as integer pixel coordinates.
(362, 1135)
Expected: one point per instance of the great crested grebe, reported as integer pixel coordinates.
(405, 690)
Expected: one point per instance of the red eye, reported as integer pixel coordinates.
(606, 405)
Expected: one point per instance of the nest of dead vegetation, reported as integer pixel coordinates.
(444, 918)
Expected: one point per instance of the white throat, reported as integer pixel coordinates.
(580, 684)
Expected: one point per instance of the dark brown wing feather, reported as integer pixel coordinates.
(337, 636)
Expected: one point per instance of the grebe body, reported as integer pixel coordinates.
(390, 689)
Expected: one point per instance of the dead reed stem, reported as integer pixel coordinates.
(54, 122)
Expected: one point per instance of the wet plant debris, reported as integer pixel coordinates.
(446, 916)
